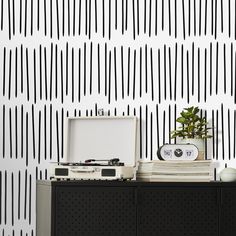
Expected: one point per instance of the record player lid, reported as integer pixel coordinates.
(100, 138)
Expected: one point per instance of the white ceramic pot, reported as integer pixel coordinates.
(228, 175)
(199, 143)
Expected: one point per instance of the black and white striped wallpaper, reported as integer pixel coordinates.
(149, 58)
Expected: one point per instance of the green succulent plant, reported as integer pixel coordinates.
(193, 126)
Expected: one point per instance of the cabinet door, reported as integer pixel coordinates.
(177, 211)
(228, 211)
(94, 211)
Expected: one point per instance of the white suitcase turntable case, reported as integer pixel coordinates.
(98, 138)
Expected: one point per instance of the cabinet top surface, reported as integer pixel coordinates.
(134, 183)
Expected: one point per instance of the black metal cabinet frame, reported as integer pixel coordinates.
(104, 208)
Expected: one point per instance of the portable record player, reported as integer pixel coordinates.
(102, 148)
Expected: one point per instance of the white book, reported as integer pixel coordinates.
(174, 173)
(172, 169)
(164, 178)
(175, 163)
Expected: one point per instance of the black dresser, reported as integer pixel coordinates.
(130, 208)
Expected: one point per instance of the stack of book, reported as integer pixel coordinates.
(175, 171)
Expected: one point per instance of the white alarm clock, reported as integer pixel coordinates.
(169, 152)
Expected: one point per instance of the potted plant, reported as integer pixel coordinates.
(193, 129)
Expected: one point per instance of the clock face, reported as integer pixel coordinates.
(178, 152)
